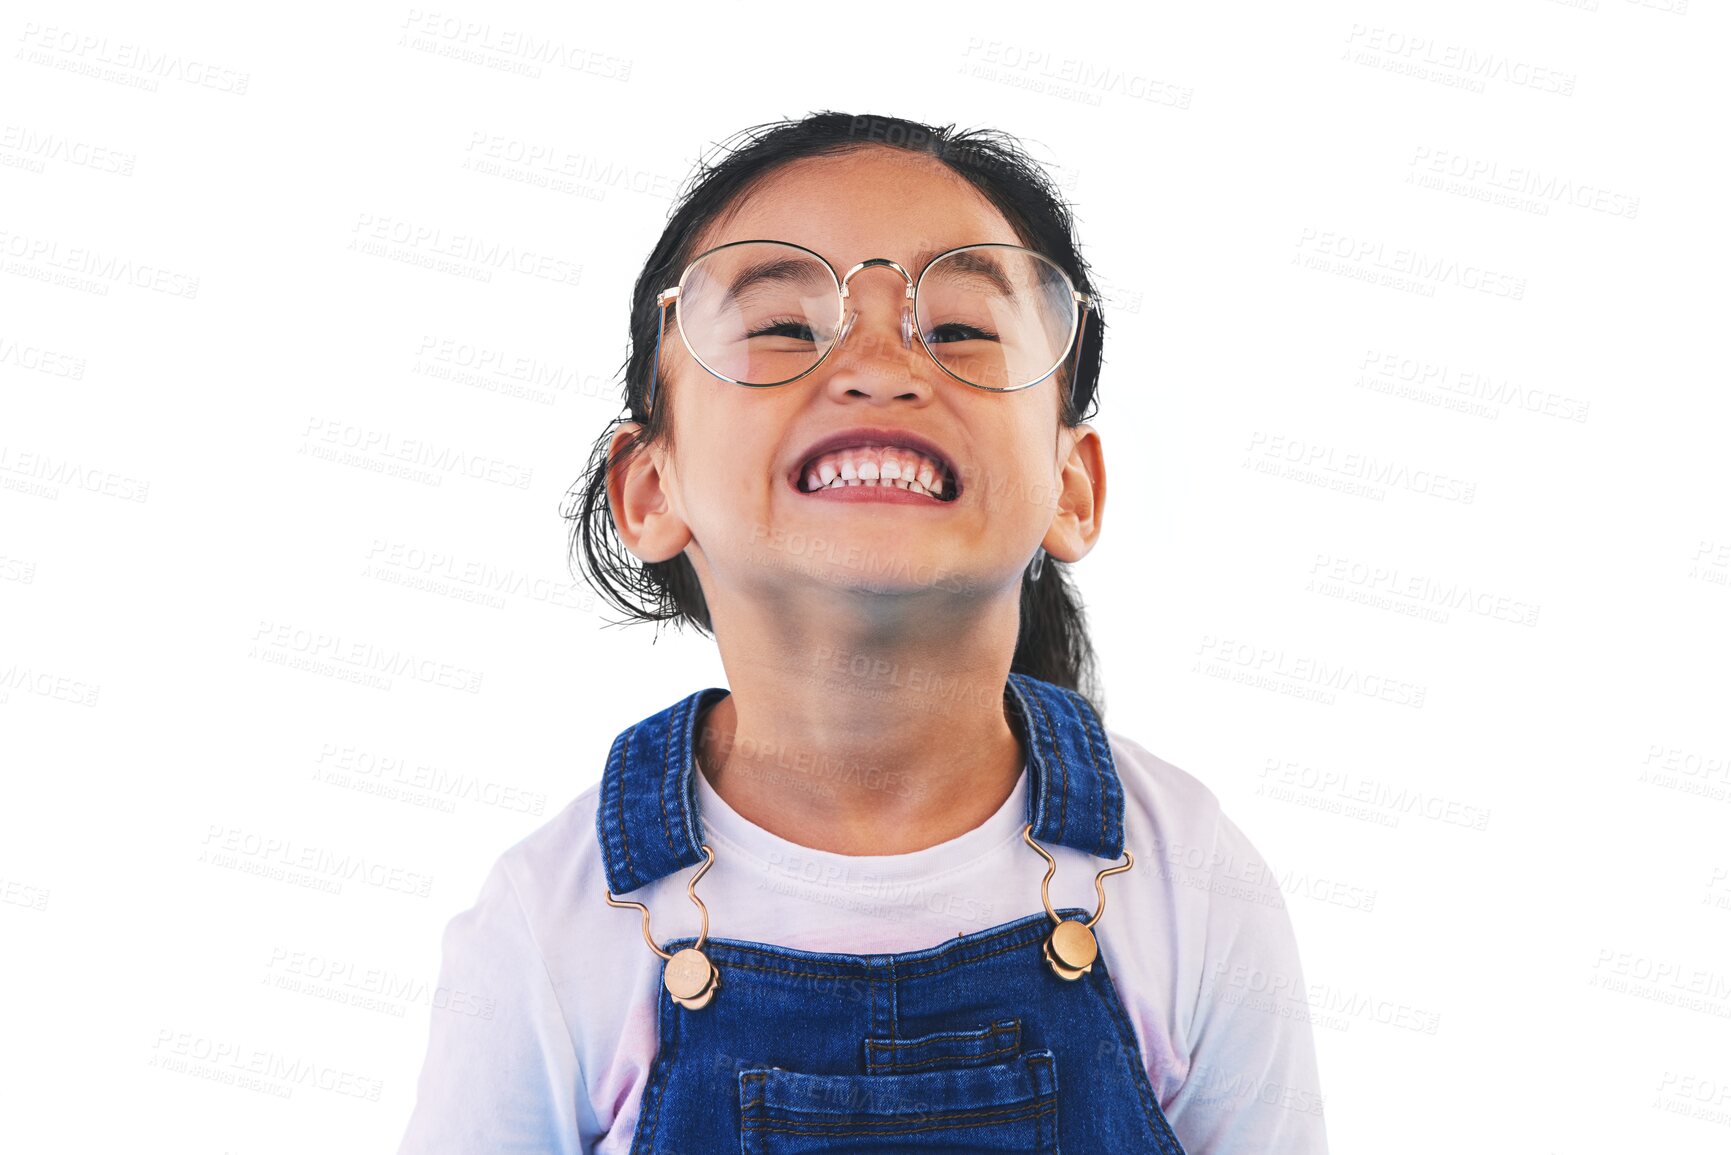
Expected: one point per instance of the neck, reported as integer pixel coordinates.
(873, 749)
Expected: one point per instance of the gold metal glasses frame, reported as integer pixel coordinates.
(670, 296)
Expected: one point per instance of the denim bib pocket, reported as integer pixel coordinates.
(994, 1043)
(1009, 1106)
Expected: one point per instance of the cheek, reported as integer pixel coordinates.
(725, 486)
(1020, 486)
(1034, 494)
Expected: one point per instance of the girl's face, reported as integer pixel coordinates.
(729, 493)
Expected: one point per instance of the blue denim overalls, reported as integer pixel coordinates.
(975, 1044)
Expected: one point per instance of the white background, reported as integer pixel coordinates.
(1427, 573)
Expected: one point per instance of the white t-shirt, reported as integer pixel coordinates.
(550, 1028)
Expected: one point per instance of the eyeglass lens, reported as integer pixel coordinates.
(763, 313)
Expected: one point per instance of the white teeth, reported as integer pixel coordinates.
(812, 484)
(903, 468)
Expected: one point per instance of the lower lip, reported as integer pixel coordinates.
(875, 493)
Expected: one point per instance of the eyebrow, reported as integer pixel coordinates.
(789, 269)
(972, 261)
(794, 269)
(924, 258)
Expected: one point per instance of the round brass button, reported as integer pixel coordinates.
(701, 1001)
(688, 974)
(1073, 945)
(1069, 974)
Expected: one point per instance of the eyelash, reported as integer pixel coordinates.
(768, 329)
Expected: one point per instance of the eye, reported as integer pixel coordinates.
(959, 331)
(797, 328)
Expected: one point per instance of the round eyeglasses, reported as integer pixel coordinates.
(763, 313)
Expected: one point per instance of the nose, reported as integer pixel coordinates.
(905, 300)
(907, 326)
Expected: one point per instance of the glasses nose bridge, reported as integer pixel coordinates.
(880, 263)
(907, 298)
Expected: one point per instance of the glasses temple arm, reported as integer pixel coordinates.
(655, 366)
(1076, 362)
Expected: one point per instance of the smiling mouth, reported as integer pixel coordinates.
(878, 468)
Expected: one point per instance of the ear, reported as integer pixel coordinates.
(640, 501)
(1081, 496)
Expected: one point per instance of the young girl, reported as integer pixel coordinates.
(897, 888)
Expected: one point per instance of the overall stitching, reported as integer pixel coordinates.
(619, 793)
(686, 784)
(1011, 1036)
(1024, 928)
(895, 1000)
(1098, 983)
(1034, 1110)
(819, 1125)
(1094, 761)
(1040, 794)
(1003, 1027)
(1111, 790)
(667, 733)
(872, 991)
(660, 1072)
(1063, 768)
(1138, 1075)
(801, 1121)
(1011, 1027)
(688, 774)
(939, 1061)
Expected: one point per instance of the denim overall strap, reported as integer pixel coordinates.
(647, 813)
(648, 822)
(1076, 800)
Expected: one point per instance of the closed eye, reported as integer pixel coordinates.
(957, 331)
(796, 328)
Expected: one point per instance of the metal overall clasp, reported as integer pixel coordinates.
(690, 978)
(1071, 947)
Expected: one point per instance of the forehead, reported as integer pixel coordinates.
(871, 202)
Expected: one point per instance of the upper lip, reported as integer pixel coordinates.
(877, 435)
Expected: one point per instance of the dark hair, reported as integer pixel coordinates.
(1053, 642)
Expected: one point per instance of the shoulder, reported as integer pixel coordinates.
(1230, 928)
(1178, 819)
(555, 871)
(503, 1057)
(543, 913)
(518, 929)
(1174, 805)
